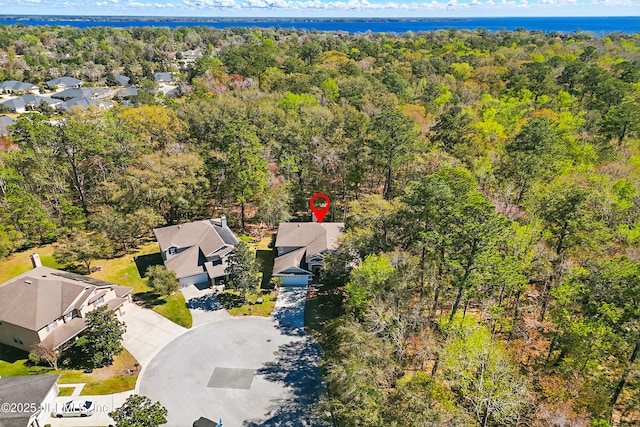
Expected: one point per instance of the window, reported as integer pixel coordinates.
(51, 326)
(99, 302)
(17, 340)
(172, 250)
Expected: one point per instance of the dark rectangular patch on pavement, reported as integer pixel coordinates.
(231, 378)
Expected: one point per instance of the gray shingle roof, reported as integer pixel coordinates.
(36, 298)
(202, 238)
(17, 86)
(311, 238)
(64, 81)
(24, 390)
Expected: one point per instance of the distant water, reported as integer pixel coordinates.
(597, 25)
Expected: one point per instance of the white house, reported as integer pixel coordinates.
(301, 247)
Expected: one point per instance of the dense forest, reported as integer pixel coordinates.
(489, 181)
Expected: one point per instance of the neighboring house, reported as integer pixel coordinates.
(5, 122)
(14, 86)
(197, 251)
(126, 92)
(301, 247)
(29, 102)
(122, 80)
(50, 306)
(62, 83)
(80, 92)
(32, 396)
(163, 78)
(85, 103)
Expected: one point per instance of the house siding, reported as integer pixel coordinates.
(28, 337)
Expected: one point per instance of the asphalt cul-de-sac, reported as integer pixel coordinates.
(249, 371)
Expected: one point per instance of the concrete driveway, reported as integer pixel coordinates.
(203, 305)
(251, 371)
(147, 332)
(104, 404)
(289, 307)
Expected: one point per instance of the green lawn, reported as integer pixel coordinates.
(126, 270)
(65, 391)
(175, 309)
(120, 376)
(19, 262)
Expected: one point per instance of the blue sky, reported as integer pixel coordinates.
(325, 8)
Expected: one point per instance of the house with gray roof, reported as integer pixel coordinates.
(31, 396)
(301, 247)
(48, 306)
(14, 86)
(197, 251)
(62, 83)
(84, 103)
(80, 92)
(164, 78)
(122, 80)
(29, 102)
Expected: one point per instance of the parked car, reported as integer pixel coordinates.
(75, 408)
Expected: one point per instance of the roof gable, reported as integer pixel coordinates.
(36, 298)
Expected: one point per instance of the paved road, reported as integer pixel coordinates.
(265, 375)
(147, 332)
(105, 405)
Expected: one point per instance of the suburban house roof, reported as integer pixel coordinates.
(27, 392)
(163, 77)
(127, 92)
(31, 101)
(309, 239)
(123, 80)
(202, 239)
(79, 92)
(291, 262)
(64, 81)
(38, 297)
(16, 86)
(84, 103)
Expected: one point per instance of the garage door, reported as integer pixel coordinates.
(295, 280)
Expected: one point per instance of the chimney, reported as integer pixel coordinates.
(223, 221)
(35, 260)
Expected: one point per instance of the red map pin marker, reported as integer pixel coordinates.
(319, 212)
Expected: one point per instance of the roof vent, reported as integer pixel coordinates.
(180, 226)
(28, 282)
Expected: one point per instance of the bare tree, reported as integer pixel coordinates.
(48, 352)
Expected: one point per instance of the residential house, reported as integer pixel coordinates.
(163, 78)
(5, 122)
(122, 80)
(80, 92)
(197, 251)
(84, 103)
(32, 396)
(16, 87)
(126, 92)
(29, 102)
(301, 247)
(49, 307)
(63, 83)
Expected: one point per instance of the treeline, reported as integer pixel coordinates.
(489, 182)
